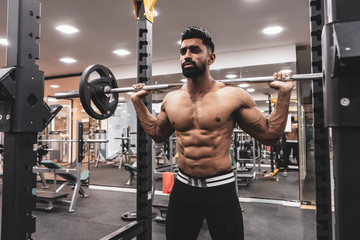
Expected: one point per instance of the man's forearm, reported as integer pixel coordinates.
(147, 120)
(278, 118)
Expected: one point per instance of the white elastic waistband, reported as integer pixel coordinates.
(206, 182)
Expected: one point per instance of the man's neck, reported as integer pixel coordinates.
(200, 84)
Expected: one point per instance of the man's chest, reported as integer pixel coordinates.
(209, 112)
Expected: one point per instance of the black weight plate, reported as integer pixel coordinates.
(92, 91)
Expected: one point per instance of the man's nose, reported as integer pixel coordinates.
(188, 54)
(188, 59)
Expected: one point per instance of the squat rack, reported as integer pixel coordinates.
(24, 114)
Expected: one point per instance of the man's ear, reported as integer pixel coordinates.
(211, 58)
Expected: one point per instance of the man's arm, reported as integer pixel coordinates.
(267, 130)
(158, 128)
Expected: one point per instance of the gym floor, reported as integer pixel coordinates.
(100, 214)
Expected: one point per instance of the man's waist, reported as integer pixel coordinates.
(203, 182)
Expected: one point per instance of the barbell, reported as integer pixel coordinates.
(71, 140)
(103, 92)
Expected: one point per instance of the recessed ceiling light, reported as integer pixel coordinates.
(243, 85)
(66, 29)
(179, 42)
(54, 86)
(231, 75)
(183, 80)
(155, 13)
(286, 71)
(250, 90)
(68, 60)
(121, 52)
(272, 30)
(4, 41)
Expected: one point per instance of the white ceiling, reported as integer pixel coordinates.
(110, 24)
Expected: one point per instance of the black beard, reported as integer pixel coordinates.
(195, 71)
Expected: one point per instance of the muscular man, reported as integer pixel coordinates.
(203, 114)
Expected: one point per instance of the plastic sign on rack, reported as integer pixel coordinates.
(148, 7)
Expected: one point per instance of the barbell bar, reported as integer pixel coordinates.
(71, 140)
(108, 90)
(103, 92)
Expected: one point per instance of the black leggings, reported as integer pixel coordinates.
(189, 205)
(295, 147)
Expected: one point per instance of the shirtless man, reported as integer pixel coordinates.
(203, 113)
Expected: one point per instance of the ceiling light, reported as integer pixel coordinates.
(286, 71)
(184, 80)
(4, 41)
(53, 100)
(54, 86)
(68, 60)
(155, 13)
(121, 52)
(67, 29)
(250, 90)
(231, 75)
(272, 30)
(179, 42)
(243, 85)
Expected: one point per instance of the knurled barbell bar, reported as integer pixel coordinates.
(71, 140)
(103, 91)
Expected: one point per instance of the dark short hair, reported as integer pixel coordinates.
(198, 32)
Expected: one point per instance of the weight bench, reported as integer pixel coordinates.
(68, 175)
(132, 169)
(109, 159)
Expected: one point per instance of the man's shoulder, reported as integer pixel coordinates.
(237, 91)
(173, 95)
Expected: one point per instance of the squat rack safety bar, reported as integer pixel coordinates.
(266, 79)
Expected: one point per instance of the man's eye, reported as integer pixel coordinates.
(182, 51)
(194, 49)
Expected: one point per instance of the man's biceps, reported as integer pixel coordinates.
(249, 115)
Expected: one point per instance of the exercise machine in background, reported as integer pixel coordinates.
(247, 155)
(72, 176)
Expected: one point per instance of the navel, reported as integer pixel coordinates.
(173, 123)
(217, 119)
